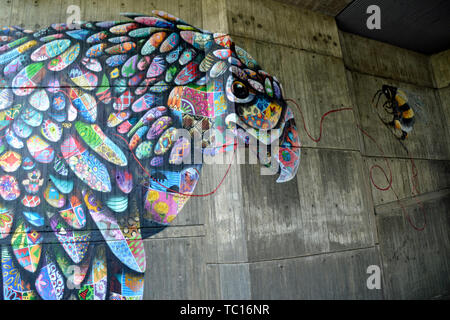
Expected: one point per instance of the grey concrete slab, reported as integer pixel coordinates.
(432, 175)
(5, 13)
(277, 23)
(335, 201)
(273, 217)
(181, 232)
(214, 16)
(329, 7)
(444, 96)
(226, 226)
(384, 60)
(392, 207)
(318, 84)
(175, 268)
(340, 275)
(235, 281)
(37, 14)
(328, 208)
(416, 263)
(228, 281)
(213, 282)
(440, 64)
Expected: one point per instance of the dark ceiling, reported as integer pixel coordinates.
(418, 25)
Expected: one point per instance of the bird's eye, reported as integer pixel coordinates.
(239, 90)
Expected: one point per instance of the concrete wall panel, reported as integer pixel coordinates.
(273, 22)
(384, 60)
(341, 275)
(440, 63)
(35, 15)
(416, 263)
(41, 13)
(226, 238)
(329, 7)
(444, 96)
(176, 268)
(329, 209)
(318, 84)
(5, 13)
(432, 176)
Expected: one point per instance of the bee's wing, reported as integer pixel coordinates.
(416, 103)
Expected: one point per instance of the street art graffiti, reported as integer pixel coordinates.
(91, 162)
(399, 110)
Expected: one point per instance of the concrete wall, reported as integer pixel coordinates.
(440, 64)
(415, 263)
(315, 236)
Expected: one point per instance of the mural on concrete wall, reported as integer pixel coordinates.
(399, 110)
(90, 159)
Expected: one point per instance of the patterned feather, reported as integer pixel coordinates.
(78, 107)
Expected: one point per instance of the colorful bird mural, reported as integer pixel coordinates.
(92, 155)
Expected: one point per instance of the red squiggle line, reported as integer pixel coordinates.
(321, 119)
(414, 170)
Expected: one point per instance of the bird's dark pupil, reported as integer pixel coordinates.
(240, 90)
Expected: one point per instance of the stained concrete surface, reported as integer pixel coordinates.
(416, 263)
(313, 237)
